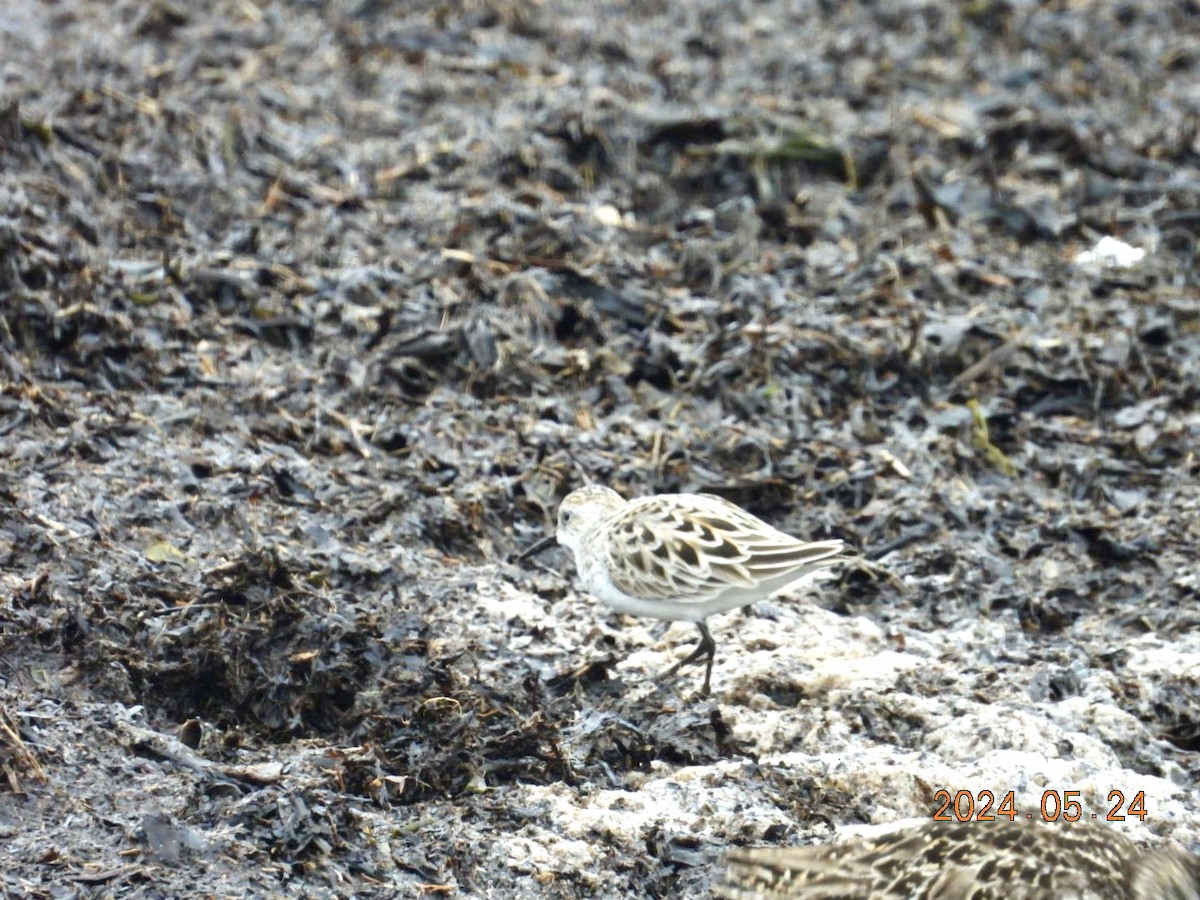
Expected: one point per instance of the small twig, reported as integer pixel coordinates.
(9, 730)
(173, 749)
(993, 360)
(908, 537)
(106, 875)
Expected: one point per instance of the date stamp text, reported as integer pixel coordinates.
(981, 806)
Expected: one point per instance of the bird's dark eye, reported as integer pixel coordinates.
(564, 516)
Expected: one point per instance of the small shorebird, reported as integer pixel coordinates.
(680, 557)
(967, 861)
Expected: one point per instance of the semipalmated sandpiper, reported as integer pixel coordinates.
(680, 557)
(968, 861)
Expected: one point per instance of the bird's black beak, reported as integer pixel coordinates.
(537, 548)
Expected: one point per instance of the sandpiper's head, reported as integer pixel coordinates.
(581, 509)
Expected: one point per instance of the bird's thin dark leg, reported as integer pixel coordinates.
(706, 648)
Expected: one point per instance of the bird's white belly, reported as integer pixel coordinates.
(597, 583)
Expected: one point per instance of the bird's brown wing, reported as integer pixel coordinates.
(694, 547)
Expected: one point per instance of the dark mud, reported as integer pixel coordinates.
(311, 313)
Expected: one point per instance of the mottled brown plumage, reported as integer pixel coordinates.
(968, 861)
